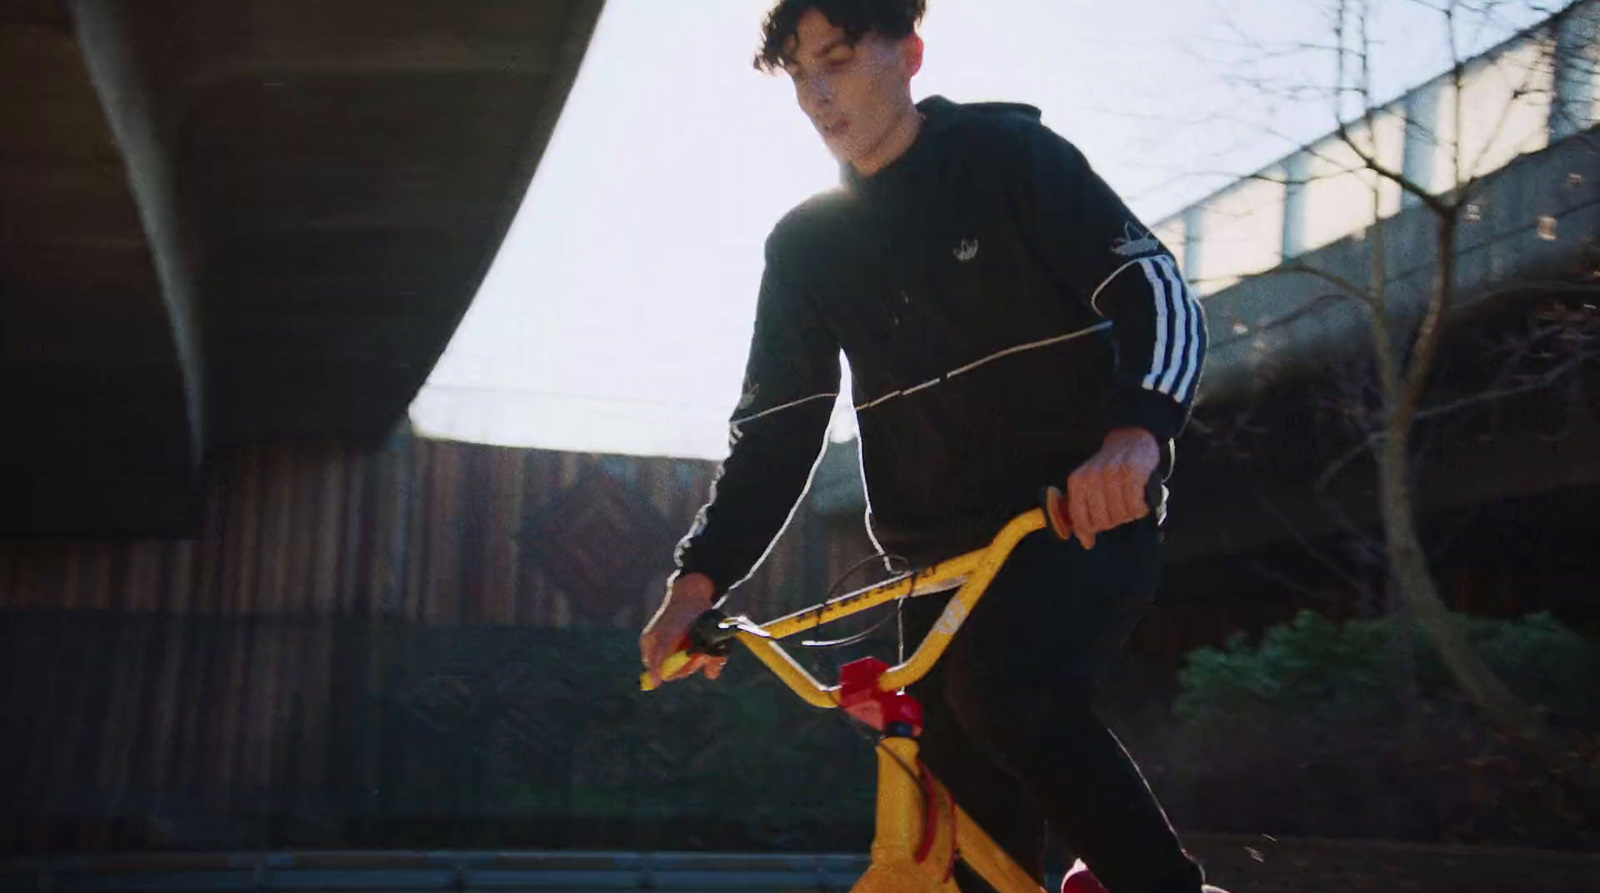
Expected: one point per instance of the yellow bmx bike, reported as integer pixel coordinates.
(921, 831)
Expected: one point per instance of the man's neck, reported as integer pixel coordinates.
(894, 144)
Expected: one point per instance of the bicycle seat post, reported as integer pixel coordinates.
(913, 848)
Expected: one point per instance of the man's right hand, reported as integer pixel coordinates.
(687, 598)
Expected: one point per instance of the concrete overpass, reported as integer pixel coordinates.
(1525, 124)
(242, 222)
(229, 227)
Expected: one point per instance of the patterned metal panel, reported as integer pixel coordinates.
(134, 731)
(427, 531)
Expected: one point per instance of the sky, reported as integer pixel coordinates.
(617, 314)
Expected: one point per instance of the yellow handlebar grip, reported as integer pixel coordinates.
(674, 663)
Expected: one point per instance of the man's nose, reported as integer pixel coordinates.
(818, 89)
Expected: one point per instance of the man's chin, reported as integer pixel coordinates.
(841, 154)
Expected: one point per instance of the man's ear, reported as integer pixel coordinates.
(911, 54)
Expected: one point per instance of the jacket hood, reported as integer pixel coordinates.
(939, 115)
(941, 112)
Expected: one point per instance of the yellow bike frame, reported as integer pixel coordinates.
(920, 829)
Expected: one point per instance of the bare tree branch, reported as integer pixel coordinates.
(1433, 202)
(1315, 553)
(1232, 176)
(1537, 383)
(1299, 265)
(1475, 172)
(1430, 336)
(1576, 359)
(1261, 570)
(1338, 465)
(1457, 77)
(1286, 319)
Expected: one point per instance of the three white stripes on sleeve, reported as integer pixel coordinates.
(1175, 359)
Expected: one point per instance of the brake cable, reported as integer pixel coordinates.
(886, 557)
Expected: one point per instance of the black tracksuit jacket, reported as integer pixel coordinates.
(1001, 310)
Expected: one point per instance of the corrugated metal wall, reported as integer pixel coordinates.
(429, 531)
(431, 647)
(434, 645)
(138, 731)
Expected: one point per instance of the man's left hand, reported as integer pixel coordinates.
(1108, 491)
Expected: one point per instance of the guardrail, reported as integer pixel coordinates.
(1256, 862)
(548, 872)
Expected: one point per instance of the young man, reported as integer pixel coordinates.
(1009, 325)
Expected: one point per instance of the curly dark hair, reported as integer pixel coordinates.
(893, 19)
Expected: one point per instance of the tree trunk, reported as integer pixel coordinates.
(1404, 653)
(1409, 565)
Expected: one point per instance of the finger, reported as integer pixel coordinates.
(714, 667)
(676, 665)
(1094, 497)
(1117, 510)
(647, 652)
(1133, 494)
(660, 659)
(673, 668)
(689, 669)
(1078, 510)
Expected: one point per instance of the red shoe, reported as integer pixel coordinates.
(1080, 879)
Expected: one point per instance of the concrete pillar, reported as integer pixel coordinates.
(1422, 138)
(1576, 82)
(1296, 169)
(1193, 233)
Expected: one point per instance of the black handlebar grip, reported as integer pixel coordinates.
(708, 635)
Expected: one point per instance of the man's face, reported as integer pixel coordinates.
(853, 94)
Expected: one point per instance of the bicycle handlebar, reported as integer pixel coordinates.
(713, 632)
(710, 634)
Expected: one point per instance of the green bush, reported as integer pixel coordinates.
(1311, 665)
(1307, 731)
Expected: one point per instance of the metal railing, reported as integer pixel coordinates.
(545, 871)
